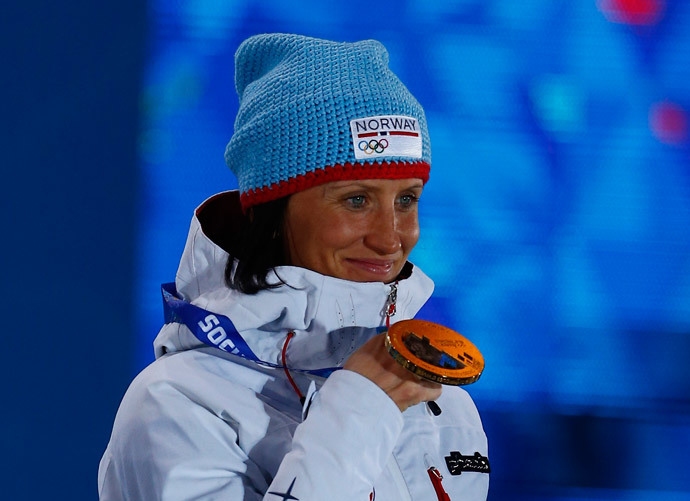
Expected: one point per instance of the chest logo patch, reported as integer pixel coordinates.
(457, 463)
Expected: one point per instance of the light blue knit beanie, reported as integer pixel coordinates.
(314, 111)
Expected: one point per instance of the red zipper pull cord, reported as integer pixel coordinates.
(436, 478)
(389, 313)
(290, 335)
(392, 300)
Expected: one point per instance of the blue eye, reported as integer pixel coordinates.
(408, 200)
(357, 201)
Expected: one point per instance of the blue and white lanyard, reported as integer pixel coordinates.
(216, 330)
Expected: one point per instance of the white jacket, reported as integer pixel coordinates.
(200, 423)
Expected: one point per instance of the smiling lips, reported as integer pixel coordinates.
(378, 267)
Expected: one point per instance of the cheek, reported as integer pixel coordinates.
(317, 239)
(340, 231)
(409, 232)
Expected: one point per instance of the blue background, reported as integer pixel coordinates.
(556, 223)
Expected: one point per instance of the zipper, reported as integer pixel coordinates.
(391, 303)
(399, 481)
(436, 478)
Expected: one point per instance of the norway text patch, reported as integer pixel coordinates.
(386, 136)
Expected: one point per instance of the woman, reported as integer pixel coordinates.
(288, 280)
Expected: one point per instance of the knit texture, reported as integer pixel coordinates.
(297, 97)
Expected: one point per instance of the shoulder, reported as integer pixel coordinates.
(194, 395)
(460, 401)
(460, 412)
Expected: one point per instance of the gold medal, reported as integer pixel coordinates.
(434, 352)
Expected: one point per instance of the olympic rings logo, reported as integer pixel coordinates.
(373, 146)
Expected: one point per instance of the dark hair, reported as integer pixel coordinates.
(257, 248)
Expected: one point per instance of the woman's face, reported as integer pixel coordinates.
(355, 230)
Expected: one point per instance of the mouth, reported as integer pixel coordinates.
(376, 268)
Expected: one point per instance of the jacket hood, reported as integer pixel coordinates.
(331, 317)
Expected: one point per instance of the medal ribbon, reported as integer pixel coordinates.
(217, 330)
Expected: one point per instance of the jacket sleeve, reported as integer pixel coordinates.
(343, 445)
(165, 446)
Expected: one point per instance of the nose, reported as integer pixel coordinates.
(383, 236)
